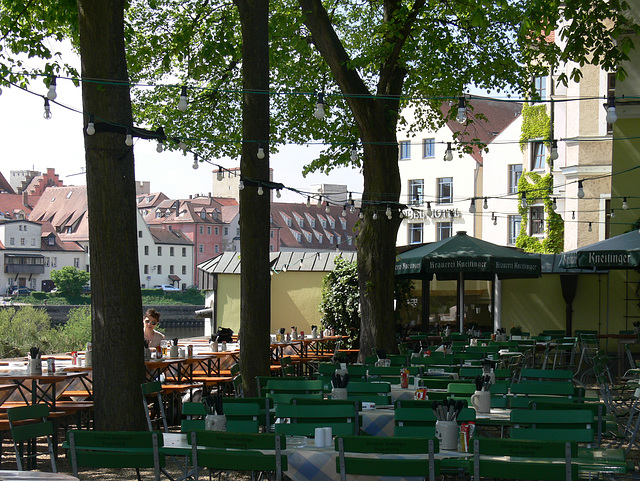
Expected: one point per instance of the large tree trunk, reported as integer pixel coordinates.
(116, 307)
(376, 119)
(255, 279)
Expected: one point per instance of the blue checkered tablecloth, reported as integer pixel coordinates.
(377, 422)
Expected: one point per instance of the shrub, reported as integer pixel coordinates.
(70, 280)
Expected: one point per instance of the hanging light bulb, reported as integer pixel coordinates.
(590, 228)
(361, 214)
(278, 194)
(524, 201)
(91, 126)
(472, 207)
(51, 94)
(580, 190)
(375, 215)
(183, 146)
(352, 209)
(354, 152)
(429, 211)
(613, 213)
(128, 140)
(260, 190)
(319, 203)
(344, 211)
(220, 174)
(327, 208)
(195, 162)
(400, 214)
(573, 215)
(47, 110)
(388, 213)
(553, 155)
(319, 112)
(462, 111)
(241, 185)
(260, 151)
(159, 147)
(612, 116)
(182, 103)
(308, 201)
(495, 218)
(448, 155)
(625, 206)
(485, 205)
(554, 205)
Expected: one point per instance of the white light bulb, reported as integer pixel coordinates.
(354, 153)
(573, 215)
(612, 116)
(429, 211)
(195, 164)
(352, 209)
(159, 147)
(278, 194)
(260, 190)
(128, 140)
(401, 215)
(51, 94)
(220, 174)
(613, 213)
(47, 110)
(388, 213)
(590, 228)
(344, 211)
(361, 214)
(327, 209)
(319, 112)
(486, 204)
(472, 207)
(553, 155)
(319, 203)
(580, 190)
(524, 202)
(625, 206)
(375, 216)
(260, 152)
(182, 103)
(308, 201)
(241, 185)
(461, 117)
(91, 128)
(554, 205)
(448, 155)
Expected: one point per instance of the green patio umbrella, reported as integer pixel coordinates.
(464, 257)
(619, 252)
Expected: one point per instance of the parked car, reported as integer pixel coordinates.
(21, 291)
(167, 288)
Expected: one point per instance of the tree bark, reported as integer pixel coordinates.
(376, 119)
(116, 307)
(255, 279)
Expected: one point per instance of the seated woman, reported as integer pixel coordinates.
(151, 320)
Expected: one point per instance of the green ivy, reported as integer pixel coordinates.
(536, 125)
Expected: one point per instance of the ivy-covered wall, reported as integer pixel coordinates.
(537, 188)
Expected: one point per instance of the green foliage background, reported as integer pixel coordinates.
(70, 280)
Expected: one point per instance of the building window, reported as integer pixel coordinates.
(201, 248)
(445, 190)
(226, 231)
(515, 172)
(216, 248)
(159, 250)
(76, 262)
(208, 230)
(428, 148)
(216, 230)
(184, 252)
(271, 247)
(514, 228)
(22, 241)
(201, 229)
(271, 233)
(416, 191)
(12, 241)
(184, 270)
(171, 269)
(536, 214)
(539, 156)
(146, 250)
(540, 84)
(54, 262)
(611, 92)
(33, 241)
(140, 233)
(146, 269)
(159, 269)
(171, 251)
(444, 230)
(415, 233)
(405, 149)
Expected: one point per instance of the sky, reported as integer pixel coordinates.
(31, 142)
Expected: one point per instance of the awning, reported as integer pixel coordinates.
(174, 278)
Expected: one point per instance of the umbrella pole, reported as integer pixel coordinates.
(426, 286)
(461, 300)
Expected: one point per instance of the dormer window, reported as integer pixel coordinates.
(203, 214)
(51, 240)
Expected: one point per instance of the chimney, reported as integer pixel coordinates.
(25, 199)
